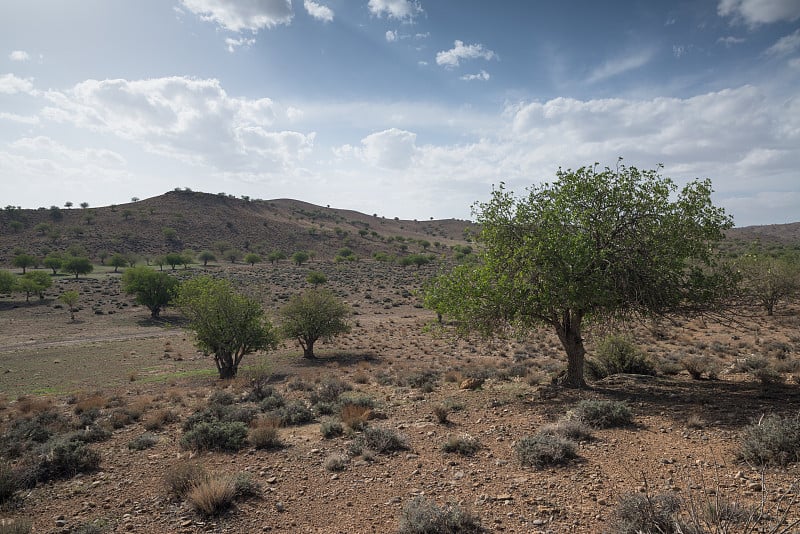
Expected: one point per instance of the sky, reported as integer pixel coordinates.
(403, 108)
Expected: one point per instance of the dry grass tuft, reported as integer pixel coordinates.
(213, 496)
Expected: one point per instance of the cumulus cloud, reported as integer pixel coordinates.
(755, 12)
(391, 36)
(244, 42)
(482, 76)
(318, 11)
(193, 120)
(785, 45)
(730, 41)
(619, 65)
(19, 55)
(404, 10)
(10, 84)
(391, 149)
(240, 15)
(453, 57)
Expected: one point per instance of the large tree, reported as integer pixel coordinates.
(154, 289)
(313, 315)
(767, 280)
(77, 265)
(592, 244)
(34, 283)
(227, 324)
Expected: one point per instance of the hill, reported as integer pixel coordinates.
(181, 220)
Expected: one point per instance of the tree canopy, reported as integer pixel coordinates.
(153, 289)
(227, 324)
(594, 243)
(77, 265)
(313, 315)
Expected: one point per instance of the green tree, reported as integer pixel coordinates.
(768, 280)
(23, 261)
(590, 245)
(42, 228)
(300, 257)
(117, 261)
(276, 256)
(313, 315)
(53, 261)
(252, 258)
(153, 289)
(16, 226)
(70, 298)
(232, 255)
(7, 282)
(173, 259)
(206, 256)
(227, 324)
(34, 283)
(84, 205)
(316, 278)
(77, 265)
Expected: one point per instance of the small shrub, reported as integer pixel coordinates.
(245, 487)
(772, 441)
(92, 402)
(441, 413)
(617, 354)
(638, 512)
(697, 366)
(159, 418)
(216, 436)
(9, 483)
(570, 429)
(422, 380)
(61, 458)
(15, 526)
(213, 496)
(271, 400)
(422, 516)
(182, 477)
(264, 434)
(542, 450)
(465, 445)
(768, 376)
(329, 390)
(221, 397)
(355, 416)
(383, 440)
(602, 414)
(336, 462)
(751, 363)
(145, 441)
(294, 413)
(331, 429)
(325, 408)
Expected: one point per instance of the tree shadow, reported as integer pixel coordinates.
(342, 358)
(164, 321)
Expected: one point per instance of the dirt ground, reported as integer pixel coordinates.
(684, 441)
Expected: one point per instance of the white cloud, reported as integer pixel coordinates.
(192, 120)
(620, 65)
(391, 149)
(10, 84)
(19, 55)
(785, 45)
(391, 36)
(22, 119)
(244, 42)
(404, 10)
(318, 11)
(755, 12)
(482, 76)
(730, 40)
(452, 58)
(239, 15)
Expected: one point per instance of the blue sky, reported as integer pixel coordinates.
(402, 108)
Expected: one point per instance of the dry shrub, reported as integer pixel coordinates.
(15, 526)
(159, 418)
(355, 416)
(212, 496)
(33, 405)
(95, 401)
(182, 477)
(264, 433)
(465, 445)
(422, 516)
(441, 413)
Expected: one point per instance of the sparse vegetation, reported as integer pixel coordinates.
(313, 315)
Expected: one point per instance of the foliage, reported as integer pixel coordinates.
(774, 440)
(145, 441)
(153, 289)
(316, 278)
(616, 355)
(53, 261)
(34, 283)
(77, 265)
(276, 256)
(23, 261)
(7, 282)
(300, 257)
(313, 315)
(465, 445)
(422, 516)
(264, 434)
(545, 449)
(181, 477)
(117, 261)
(383, 440)
(645, 513)
(212, 496)
(591, 244)
(206, 256)
(173, 259)
(415, 259)
(227, 324)
(216, 436)
(768, 280)
(252, 258)
(602, 414)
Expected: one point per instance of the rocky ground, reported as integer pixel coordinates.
(684, 440)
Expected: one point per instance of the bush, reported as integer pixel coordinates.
(244, 486)
(465, 445)
(329, 390)
(294, 413)
(264, 435)
(616, 355)
(383, 440)
(422, 516)
(145, 441)
(542, 450)
(62, 458)
(355, 416)
(336, 462)
(212, 496)
(216, 436)
(331, 429)
(15, 526)
(602, 414)
(441, 413)
(697, 366)
(772, 441)
(182, 477)
(9, 483)
(638, 512)
(570, 429)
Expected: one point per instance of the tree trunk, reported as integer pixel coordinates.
(225, 365)
(308, 349)
(569, 333)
